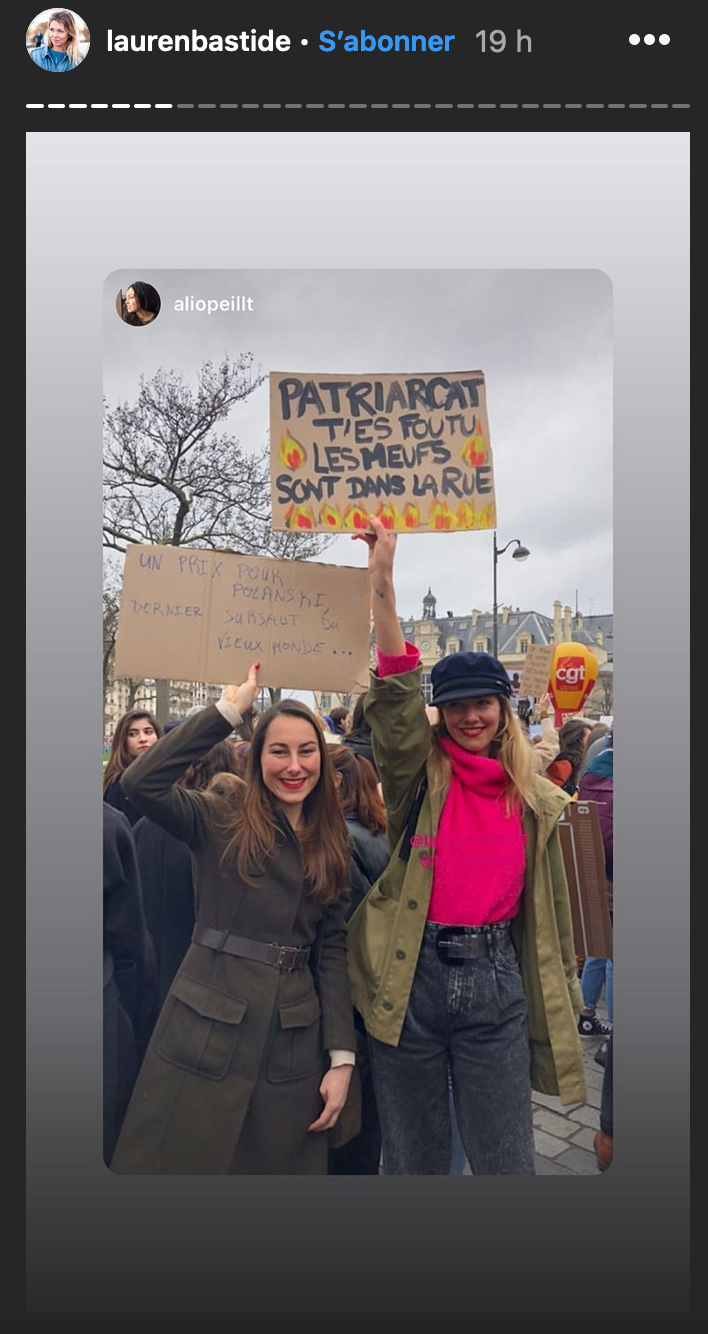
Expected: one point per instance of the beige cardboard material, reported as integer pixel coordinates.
(536, 675)
(200, 615)
(413, 449)
(584, 860)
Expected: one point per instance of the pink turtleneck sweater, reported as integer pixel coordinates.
(479, 856)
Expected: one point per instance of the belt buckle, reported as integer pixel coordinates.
(442, 939)
(285, 953)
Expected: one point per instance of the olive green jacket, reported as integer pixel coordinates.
(385, 933)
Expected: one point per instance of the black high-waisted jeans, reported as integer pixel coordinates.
(471, 1014)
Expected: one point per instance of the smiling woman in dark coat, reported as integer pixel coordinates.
(252, 1055)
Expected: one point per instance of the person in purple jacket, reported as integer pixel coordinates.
(597, 784)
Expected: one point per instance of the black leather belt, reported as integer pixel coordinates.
(455, 943)
(289, 957)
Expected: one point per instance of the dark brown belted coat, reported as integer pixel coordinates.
(230, 1079)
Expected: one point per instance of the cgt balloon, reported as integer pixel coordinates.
(574, 673)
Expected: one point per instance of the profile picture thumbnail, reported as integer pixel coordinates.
(58, 40)
(138, 303)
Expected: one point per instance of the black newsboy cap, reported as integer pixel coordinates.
(468, 676)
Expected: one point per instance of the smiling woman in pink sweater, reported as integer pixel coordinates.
(462, 952)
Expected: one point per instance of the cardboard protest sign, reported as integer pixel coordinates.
(584, 860)
(200, 615)
(412, 449)
(537, 670)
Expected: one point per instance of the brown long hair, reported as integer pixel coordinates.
(338, 715)
(510, 747)
(241, 750)
(359, 727)
(571, 741)
(221, 759)
(119, 759)
(249, 718)
(359, 793)
(322, 831)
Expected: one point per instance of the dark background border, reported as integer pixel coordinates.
(102, 1243)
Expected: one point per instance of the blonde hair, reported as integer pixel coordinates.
(510, 747)
(68, 21)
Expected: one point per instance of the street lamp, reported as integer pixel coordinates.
(521, 553)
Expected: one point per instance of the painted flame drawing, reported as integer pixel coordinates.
(487, 517)
(299, 516)
(466, 516)
(291, 453)
(355, 516)
(474, 451)
(388, 514)
(330, 517)
(440, 517)
(410, 517)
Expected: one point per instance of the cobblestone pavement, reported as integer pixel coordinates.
(564, 1135)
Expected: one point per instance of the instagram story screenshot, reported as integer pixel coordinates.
(357, 502)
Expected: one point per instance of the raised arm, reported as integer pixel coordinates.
(394, 708)
(382, 548)
(545, 750)
(150, 781)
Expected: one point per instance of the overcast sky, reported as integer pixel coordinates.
(542, 339)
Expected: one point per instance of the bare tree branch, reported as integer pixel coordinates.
(174, 474)
(173, 477)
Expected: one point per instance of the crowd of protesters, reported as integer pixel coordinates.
(343, 944)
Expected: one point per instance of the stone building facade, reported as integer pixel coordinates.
(183, 696)
(517, 630)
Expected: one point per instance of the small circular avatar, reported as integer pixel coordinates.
(57, 40)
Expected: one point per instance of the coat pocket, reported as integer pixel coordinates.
(203, 1028)
(297, 1046)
